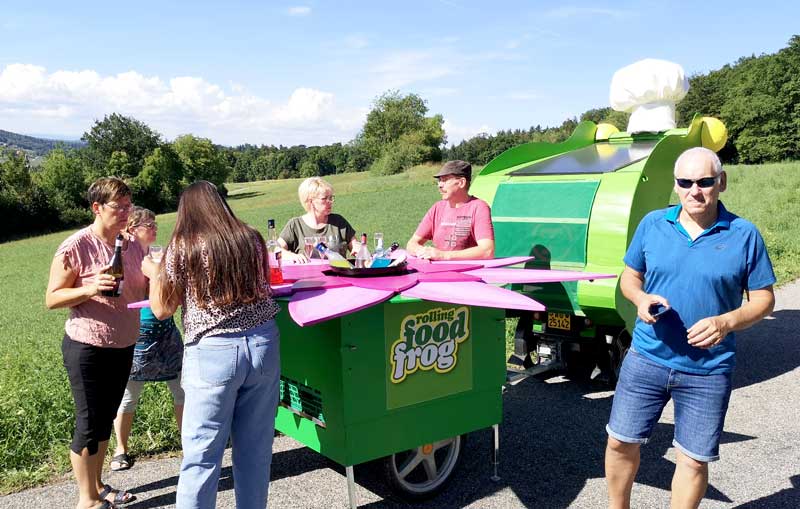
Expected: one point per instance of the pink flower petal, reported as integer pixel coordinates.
(314, 306)
(429, 267)
(473, 294)
(490, 263)
(535, 275)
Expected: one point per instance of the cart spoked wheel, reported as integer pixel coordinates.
(422, 472)
(618, 349)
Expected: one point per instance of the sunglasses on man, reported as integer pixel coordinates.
(704, 182)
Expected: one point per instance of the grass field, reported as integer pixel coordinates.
(35, 403)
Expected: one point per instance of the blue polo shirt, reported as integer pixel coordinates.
(700, 278)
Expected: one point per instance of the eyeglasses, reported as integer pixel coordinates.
(149, 226)
(119, 208)
(330, 198)
(704, 182)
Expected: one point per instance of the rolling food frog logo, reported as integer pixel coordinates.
(428, 341)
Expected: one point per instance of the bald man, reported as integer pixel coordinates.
(686, 271)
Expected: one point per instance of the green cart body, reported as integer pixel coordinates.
(575, 206)
(391, 378)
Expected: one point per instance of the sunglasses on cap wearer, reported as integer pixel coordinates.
(704, 182)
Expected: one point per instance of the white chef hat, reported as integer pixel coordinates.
(648, 90)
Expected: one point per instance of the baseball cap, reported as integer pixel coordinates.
(457, 168)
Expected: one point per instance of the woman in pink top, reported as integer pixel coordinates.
(100, 332)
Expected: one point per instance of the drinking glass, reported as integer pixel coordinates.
(308, 246)
(317, 240)
(378, 238)
(333, 243)
(156, 252)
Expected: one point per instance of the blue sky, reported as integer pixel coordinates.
(307, 72)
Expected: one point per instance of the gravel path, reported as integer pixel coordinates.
(552, 445)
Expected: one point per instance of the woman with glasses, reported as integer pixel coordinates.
(316, 197)
(100, 332)
(157, 356)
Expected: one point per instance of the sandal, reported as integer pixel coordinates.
(120, 497)
(121, 462)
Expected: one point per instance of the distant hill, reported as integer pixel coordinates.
(35, 146)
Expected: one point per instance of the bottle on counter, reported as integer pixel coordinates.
(378, 246)
(274, 250)
(384, 259)
(332, 255)
(363, 258)
(116, 269)
(385, 253)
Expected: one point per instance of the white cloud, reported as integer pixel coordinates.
(305, 105)
(68, 102)
(404, 68)
(441, 92)
(299, 10)
(456, 133)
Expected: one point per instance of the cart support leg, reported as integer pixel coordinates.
(351, 487)
(496, 451)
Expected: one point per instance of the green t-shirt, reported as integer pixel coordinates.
(338, 227)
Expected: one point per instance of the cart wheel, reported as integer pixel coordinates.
(422, 472)
(618, 349)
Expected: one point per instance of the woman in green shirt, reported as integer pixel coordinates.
(318, 223)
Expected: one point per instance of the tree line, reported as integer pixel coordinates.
(757, 97)
(396, 135)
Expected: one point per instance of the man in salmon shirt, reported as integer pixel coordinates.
(459, 225)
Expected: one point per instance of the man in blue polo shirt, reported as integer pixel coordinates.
(687, 269)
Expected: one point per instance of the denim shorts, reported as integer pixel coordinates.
(645, 387)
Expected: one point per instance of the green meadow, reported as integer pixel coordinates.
(35, 402)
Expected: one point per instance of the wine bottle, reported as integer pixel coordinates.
(363, 256)
(378, 248)
(274, 250)
(116, 269)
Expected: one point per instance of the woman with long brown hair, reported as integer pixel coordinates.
(216, 268)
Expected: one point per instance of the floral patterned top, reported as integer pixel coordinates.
(199, 322)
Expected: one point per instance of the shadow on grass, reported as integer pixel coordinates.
(239, 196)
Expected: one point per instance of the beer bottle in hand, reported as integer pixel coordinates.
(117, 270)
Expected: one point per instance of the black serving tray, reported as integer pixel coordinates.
(400, 268)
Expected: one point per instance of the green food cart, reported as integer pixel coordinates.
(401, 380)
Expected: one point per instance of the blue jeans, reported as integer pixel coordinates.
(231, 382)
(645, 387)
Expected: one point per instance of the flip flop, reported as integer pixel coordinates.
(123, 461)
(120, 497)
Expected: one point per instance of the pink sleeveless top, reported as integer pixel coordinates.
(103, 321)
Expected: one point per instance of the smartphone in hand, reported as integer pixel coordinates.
(657, 309)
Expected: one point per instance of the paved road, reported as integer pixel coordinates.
(552, 442)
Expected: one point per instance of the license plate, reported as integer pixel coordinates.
(558, 321)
